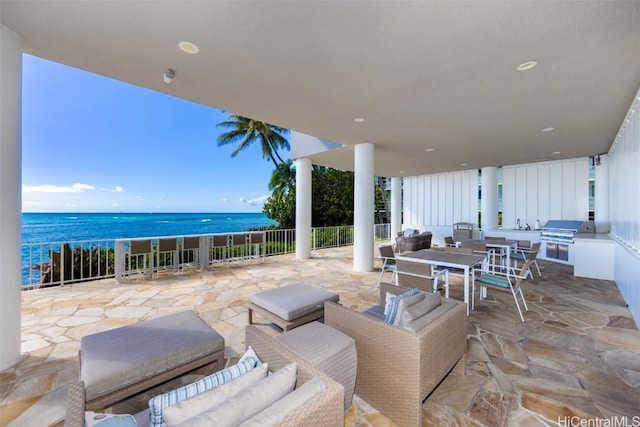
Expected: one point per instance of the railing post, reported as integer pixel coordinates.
(61, 264)
(119, 260)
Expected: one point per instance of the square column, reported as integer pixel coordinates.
(396, 207)
(489, 200)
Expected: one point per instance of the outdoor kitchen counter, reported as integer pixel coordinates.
(594, 256)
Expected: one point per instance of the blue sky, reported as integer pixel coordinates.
(93, 144)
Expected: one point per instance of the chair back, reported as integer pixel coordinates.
(475, 247)
(414, 275)
(524, 244)
(386, 251)
(532, 254)
(448, 241)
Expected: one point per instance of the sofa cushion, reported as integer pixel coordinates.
(392, 307)
(92, 419)
(160, 402)
(182, 411)
(276, 413)
(419, 309)
(250, 402)
(423, 321)
(405, 303)
(376, 311)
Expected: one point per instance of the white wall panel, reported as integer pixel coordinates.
(509, 198)
(449, 194)
(521, 194)
(544, 201)
(442, 202)
(555, 191)
(435, 207)
(568, 190)
(532, 193)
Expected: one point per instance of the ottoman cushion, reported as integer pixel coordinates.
(329, 350)
(293, 301)
(112, 360)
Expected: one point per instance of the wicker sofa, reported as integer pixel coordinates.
(324, 409)
(397, 368)
(414, 242)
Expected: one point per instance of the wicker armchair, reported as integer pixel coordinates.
(414, 242)
(397, 368)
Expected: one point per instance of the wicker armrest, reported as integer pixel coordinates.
(75, 405)
(326, 409)
(397, 369)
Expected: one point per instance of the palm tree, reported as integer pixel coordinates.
(280, 182)
(246, 131)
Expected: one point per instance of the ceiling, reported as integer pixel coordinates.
(425, 75)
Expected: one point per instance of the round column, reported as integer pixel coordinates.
(303, 208)
(396, 207)
(363, 214)
(10, 194)
(489, 199)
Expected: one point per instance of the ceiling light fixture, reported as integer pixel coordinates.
(359, 120)
(464, 164)
(526, 65)
(556, 153)
(429, 150)
(547, 129)
(188, 47)
(168, 76)
(401, 171)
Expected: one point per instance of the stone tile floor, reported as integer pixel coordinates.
(577, 355)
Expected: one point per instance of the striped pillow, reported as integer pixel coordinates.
(160, 402)
(393, 305)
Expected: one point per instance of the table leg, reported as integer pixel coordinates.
(466, 287)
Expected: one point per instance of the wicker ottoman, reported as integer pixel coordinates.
(329, 350)
(291, 306)
(125, 361)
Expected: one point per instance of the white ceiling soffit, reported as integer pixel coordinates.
(429, 75)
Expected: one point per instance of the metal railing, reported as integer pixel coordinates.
(62, 263)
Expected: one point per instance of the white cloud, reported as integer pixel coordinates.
(74, 188)
(224, 200)
(29, 203)
(117, 189)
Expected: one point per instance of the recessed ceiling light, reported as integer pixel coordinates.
(464, 164)
(188, 47)
(429, 149)
(556, 152)
(547, 129)
(526, 65)
(359, 119)
(401, 171)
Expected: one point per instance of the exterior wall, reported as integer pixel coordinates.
(544, 191)
(624, 206)
(436, 202)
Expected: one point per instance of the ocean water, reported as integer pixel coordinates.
(38, 228)
(66, 227)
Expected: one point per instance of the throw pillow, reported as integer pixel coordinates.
(251, 353)
(410, 232)
(160, 402)
(405, 303)
(393, 305)
(276, 413)
(91, 419)
(248, 403)
(182, 411)
(429, 303)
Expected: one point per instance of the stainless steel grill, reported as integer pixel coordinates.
(561, 231)
(558, 238)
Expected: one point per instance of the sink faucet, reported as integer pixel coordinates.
(518, 224)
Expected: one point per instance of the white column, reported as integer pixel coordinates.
(396, 207)
(601, 195)
(10, 194)
(489, 200)
(363, 203)
(303, 208)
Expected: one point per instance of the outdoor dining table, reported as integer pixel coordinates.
(464, 262)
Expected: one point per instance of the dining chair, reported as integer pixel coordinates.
(505, 281)
(388, 263)
(424, 277)
(527, 255)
